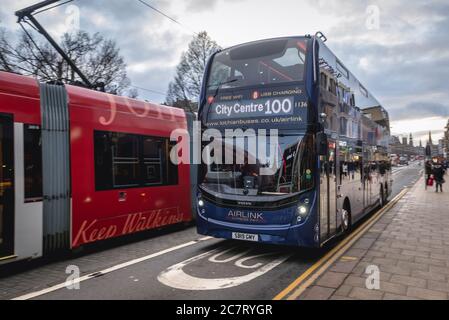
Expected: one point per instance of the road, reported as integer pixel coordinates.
(184, 265)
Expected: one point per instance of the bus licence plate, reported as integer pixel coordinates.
(245, 236)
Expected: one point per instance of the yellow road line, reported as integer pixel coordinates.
(308, 277)
(348, 258)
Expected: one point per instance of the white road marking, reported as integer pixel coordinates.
(240, 262)
(108, 270)
(175, 276)
(214, 258)
(401, 169)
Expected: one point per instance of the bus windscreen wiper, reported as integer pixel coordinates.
(217, 90)
(223, 83)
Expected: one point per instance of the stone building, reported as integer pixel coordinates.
(405, 147)
(433, 147)
(445, 142)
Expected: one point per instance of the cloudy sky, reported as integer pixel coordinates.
(402, 57)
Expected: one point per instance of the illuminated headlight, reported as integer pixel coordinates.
(302, 211)
(200, 203)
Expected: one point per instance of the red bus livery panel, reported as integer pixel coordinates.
(121, 180)
(95, 230)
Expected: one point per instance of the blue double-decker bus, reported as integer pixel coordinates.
(324, 162)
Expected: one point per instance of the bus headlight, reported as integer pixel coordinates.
(200, 203)
(302, 211)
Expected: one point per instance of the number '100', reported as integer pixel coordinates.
(277, 106)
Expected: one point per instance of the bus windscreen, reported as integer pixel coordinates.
(290, 170)
(258, 64)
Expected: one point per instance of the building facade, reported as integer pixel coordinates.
(434, 148)
(406, 146)
(445, 142)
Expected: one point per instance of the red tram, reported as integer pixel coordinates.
(79, 166)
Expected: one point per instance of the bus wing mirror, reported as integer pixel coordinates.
(322, 144)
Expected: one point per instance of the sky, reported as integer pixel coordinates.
(398, 49)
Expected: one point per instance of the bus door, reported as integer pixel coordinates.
(6, 186)
(328, 192)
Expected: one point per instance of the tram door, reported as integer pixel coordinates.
(328, 192)
(6, 186)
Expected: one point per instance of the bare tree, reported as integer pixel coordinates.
(98, 58)
(5, 62)
(184, 90)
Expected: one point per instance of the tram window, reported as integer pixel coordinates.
(103, 162)
(158, 169)
(32, 162)
(125, 160)
(152, 153)
(129, 160)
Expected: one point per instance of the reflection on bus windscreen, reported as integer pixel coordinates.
(289, 171)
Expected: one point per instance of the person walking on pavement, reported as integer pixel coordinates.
(428, 170)
(438, 174)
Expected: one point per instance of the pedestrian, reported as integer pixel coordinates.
(428, 170)
(438, 175)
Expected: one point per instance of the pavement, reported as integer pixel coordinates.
(403, 256)
(159, 265)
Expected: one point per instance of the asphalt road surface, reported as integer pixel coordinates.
(208, 268)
